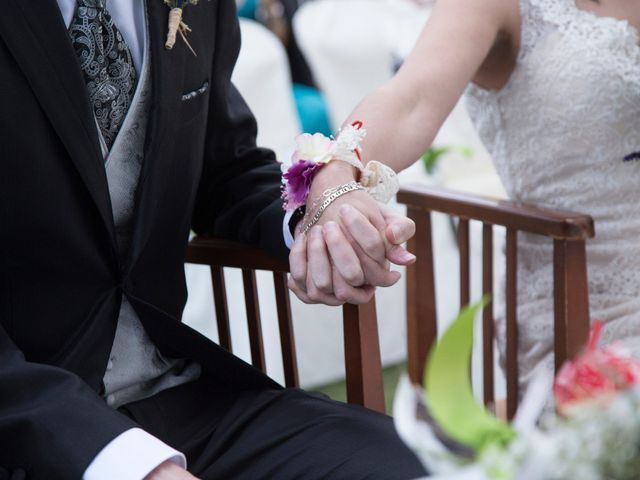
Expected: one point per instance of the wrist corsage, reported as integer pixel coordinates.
(313, 152)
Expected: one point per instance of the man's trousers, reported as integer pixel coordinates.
(274, 434)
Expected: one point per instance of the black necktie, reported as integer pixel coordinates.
(105, 60)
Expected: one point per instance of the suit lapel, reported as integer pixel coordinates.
(167, 81)
(35, 34)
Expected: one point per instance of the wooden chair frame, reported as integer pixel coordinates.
(571, 305)
(361, 343)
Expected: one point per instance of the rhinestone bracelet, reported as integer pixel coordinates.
(331, 196)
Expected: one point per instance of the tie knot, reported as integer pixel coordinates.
(98, 4)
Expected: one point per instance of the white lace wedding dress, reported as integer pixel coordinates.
(559, 133)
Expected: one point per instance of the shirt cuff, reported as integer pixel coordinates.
(132, 455)
(286, 231)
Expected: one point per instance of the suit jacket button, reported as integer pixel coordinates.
(111, 399)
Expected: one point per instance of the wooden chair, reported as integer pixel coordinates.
(571, 306)
(362, 347)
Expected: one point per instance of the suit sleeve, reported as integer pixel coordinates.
(239, 192)
(52, 424)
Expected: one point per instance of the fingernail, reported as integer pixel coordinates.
(395, 231)
(408, 257)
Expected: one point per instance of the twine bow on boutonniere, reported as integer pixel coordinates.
(176, 25)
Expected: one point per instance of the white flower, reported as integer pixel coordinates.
(314, 148)
(350, 137)
(347, 143)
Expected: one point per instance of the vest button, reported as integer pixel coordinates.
(111, 399)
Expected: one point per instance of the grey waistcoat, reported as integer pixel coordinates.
(136, 368)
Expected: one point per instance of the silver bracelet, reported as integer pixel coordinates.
(331, 196)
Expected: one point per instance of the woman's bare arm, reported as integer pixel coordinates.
(461, 40)
(402, 118)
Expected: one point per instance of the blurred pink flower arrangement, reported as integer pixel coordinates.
(592, 434)
(596, 376)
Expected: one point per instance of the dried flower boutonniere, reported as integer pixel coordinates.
(176, 25)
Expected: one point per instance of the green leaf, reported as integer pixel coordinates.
(431, 156)
(449, 390)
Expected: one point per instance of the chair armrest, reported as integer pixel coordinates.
(556, 224)
(223, 253)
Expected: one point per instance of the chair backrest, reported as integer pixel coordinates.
(362, 347)
(571, 305)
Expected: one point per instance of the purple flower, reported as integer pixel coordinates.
(298, 183)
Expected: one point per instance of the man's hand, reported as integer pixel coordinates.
(348, 253)
(169, 471)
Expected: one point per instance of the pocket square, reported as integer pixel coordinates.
(195, 93)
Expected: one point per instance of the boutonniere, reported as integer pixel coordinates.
(176, 25)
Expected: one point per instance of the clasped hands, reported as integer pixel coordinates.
(348, 253)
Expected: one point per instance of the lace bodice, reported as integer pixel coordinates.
(559, 133)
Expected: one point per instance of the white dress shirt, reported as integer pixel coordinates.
(135, 453)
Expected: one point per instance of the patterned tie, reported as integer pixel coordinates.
(105, 60)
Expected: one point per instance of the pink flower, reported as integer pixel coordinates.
(298, 183)
(595, 376)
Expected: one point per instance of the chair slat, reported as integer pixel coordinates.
(463, 250)
(222, 308)
(571, 304)
(487, 314)
(421, 297)
(287, 338)
(253, 319)
(362, 356)
(512, 322)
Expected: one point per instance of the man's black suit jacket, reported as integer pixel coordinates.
(61, 281)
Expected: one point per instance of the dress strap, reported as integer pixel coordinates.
(535, 17)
